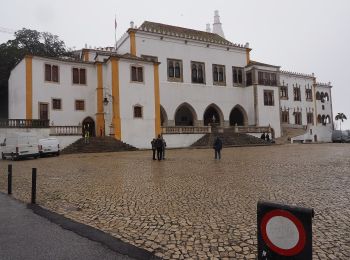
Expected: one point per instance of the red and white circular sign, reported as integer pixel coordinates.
(283, 232)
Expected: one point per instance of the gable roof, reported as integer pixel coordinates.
(185, 33)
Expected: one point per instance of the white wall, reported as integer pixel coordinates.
(199, 96)
(302, 106)
(65, 90)
(180, 140)
(269, 115)
(137, 131)
(323, 133)
(17, 91)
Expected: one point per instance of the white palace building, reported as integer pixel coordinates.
(164, 79)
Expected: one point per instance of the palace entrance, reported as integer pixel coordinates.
(89, 126)
(238, 117)
(185, 115)
(213, 116)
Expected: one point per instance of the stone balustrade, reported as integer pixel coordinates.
(186, 130)
(24, 123)
(74, 130)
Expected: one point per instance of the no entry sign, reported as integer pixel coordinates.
(284, 232)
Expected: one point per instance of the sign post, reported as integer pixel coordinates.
(284, 232)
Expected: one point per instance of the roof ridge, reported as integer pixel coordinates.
(186, 33)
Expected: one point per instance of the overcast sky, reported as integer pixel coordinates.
(298, 35)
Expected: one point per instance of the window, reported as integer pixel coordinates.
(237, 75)
(284, 92)
(249, 78)
(322, 107)
(310, 118)
(51, 73)
(318, 96)
(198, 72)
(267, 79)
(268, 98)
(219, 77)
(137, 73)
(285, 117)
(296, 92)
(43, 111)
(56, 104)
(308, 93)
(297, 116)
(137, 111)
(79, 76)
(174, 70)
(80, 105)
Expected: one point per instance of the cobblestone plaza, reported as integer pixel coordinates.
(190, 205)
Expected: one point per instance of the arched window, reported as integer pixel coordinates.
(200, 74)
(198, 69)
(221, 74)
(177, 70)
(319, 119)
(215, 74)
(322, 97)
(194, 73)
(323, 120)
(171, 69)
(318, 96)
(326, 97)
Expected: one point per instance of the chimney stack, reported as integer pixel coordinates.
(217, 27)
(132, 24)
(208, 28)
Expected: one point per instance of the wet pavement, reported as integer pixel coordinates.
(191, 205)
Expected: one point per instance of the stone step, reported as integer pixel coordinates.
(98, 145)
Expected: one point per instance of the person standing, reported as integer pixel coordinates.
(262, 137)
(163, 148)
(153, 143)
(159, 147)
(217, 147)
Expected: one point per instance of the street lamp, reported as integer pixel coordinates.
(106, 102)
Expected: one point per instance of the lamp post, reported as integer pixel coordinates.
(108, 99)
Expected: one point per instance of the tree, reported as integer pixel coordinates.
(26, 42)
(341, 117)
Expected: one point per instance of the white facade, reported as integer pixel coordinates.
(246, 93)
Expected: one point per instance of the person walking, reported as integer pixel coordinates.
(159, 147)
(153, 143)
(217, 147)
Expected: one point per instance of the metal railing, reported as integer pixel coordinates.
(186, 129)
(74, 130)
(24, 123)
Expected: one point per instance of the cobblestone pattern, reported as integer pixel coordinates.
(192, 206)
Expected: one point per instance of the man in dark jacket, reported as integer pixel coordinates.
(217, 147)
(153, 143)
(159, 147)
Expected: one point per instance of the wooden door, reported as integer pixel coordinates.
(43, 111)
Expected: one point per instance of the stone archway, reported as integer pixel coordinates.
(238, 116)
(88, 125)
(185, 115)
(163, 117)
(213, 116)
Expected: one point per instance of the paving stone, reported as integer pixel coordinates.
(190, 205)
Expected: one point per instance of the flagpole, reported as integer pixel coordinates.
(115, 32)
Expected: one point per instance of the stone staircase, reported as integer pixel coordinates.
(98, 145)
(288, 133)
(229, 138)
